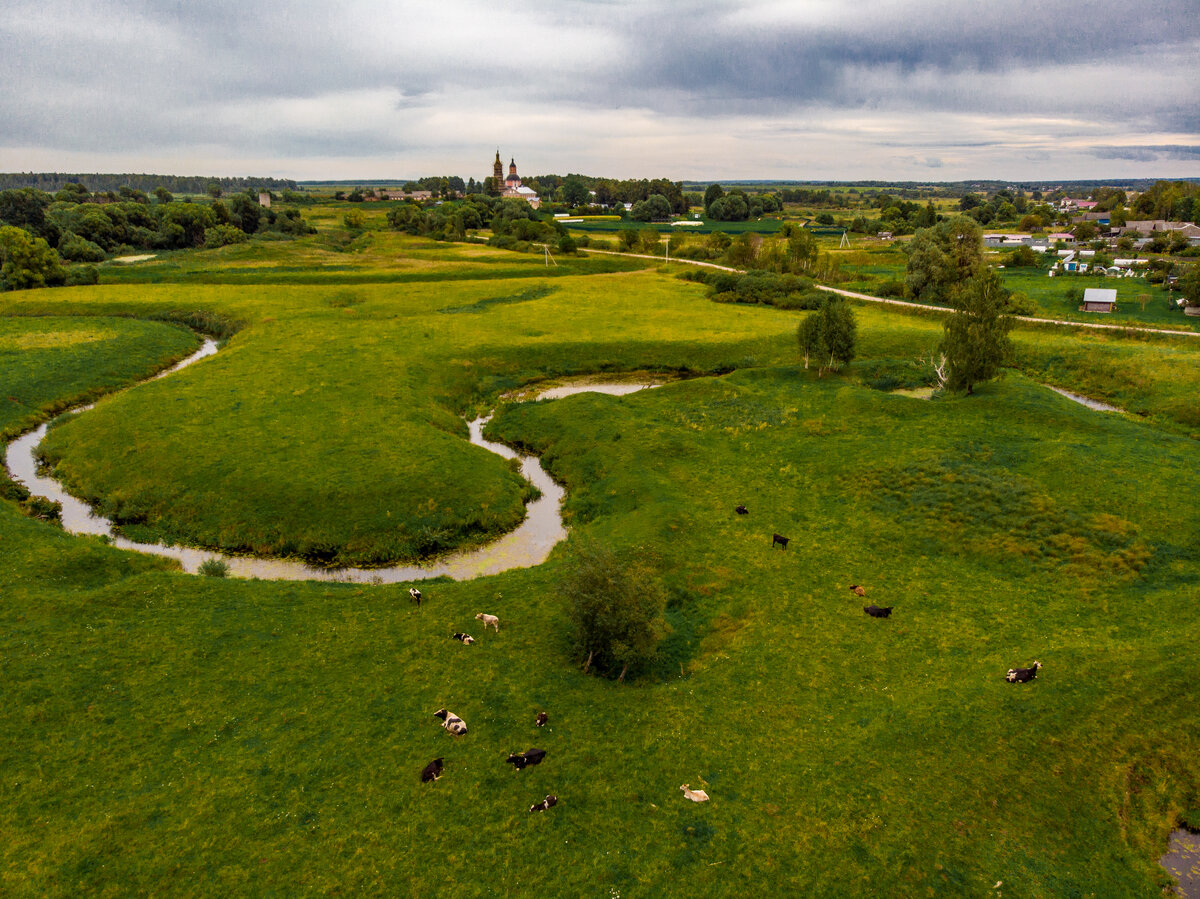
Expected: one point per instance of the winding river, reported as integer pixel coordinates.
(528, 545)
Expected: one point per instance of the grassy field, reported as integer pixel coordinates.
(176, 734)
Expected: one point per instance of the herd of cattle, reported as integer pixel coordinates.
(456, 726)
(520, 760)
(1014, 675)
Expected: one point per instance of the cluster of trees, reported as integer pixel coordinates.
(793, 252)
(814, 197)
(759, 288)
(896, 215)
(177, 184)
(76, 225)
(514, 223)
(737, 205)
(1177, 201)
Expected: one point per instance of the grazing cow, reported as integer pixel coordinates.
(1022, 675)
(876, 612)
(465, 639)
(529, 757)
(541, 719)
(548, 802)
(432, 771)
(415, 594)
(780, 541)
(857, 590)
(742, 510)
(488, 621)
(451, 722)
(694, 795)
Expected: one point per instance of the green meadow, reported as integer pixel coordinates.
(174, 734)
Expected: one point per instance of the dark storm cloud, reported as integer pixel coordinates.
(864, 54)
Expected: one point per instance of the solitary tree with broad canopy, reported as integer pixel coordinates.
(616, 609)
(976, 344)
(941, 259)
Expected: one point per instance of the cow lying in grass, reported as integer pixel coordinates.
(694, 795)
(548, 802)
(465, 639)
(541, 719)
(489, 621)
(1022, 675)
(876, 612)
(451, 722)
(432, 771)
(742, 510)
(857, 590)
(529, 757)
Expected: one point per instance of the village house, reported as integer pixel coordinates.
(1099, 299)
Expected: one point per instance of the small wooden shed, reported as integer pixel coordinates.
(1099, 299)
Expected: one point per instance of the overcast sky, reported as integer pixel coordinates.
(692, 89)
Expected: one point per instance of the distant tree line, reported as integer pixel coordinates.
(176, 184)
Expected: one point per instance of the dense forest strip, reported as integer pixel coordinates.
(176, 184)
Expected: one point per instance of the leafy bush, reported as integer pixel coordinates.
(82, 274)
(1019, 303)
(74, 248)
(893, 287)
(214, 568)
(223, 235)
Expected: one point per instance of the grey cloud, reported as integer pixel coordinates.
(129, 75)
(1149, 154)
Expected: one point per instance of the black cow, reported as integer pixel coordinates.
(779, 540)
(432, 771)
(548, 802)
(742, 510)
(529, 757)
(876, 612)
(1022, 675)
(541, 719)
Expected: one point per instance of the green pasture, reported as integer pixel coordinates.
(342, 257)
(1050, 296)
(169, 734)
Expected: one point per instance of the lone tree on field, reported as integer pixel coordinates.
(616, 609)
(976, 343)
(829, 332)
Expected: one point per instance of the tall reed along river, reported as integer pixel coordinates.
(528, 545)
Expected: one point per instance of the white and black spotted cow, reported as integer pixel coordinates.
(451, 722)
